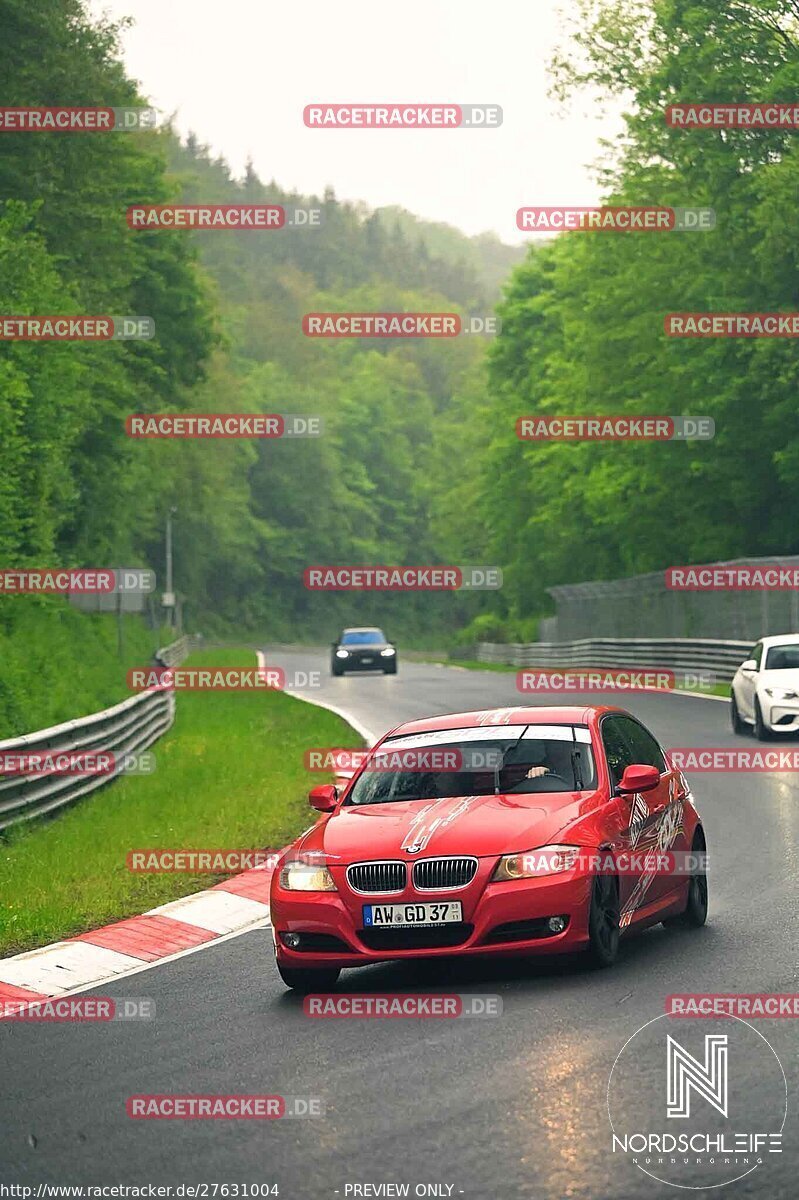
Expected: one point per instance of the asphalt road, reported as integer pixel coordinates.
(508, 1107)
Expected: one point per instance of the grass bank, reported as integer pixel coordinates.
(58, 663)
(229, 774)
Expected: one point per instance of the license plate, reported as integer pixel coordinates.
(412, 914)
(367, 660)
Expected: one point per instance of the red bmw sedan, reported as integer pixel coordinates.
(515, 831)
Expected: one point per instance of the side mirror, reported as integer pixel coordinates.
(324, 797)
(749, 665)
(638, 777)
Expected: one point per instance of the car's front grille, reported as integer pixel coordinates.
(377, 877)
(435, 874)
(411, 938)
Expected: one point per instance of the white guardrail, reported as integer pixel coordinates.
(123, 729)
(695, 655)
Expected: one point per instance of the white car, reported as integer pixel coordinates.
(765, 688)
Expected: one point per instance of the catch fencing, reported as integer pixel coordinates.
(124, 729)
(641, 606)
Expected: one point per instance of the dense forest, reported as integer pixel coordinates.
(227, 309)
(419, 462)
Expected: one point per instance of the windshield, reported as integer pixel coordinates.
(783, 658)
(361, 637)
(478, 762)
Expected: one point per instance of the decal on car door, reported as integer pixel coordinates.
(656, 838)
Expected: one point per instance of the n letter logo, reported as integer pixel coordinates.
(708, 1079)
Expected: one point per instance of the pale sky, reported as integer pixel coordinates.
(238, 73)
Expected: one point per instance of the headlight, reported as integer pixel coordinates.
(779, 693)
(546, 860)
(389, 650)
(305, 877)
(342, 654)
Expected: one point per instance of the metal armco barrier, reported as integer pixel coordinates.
(175, 653)
(125, 728)
(695, 655)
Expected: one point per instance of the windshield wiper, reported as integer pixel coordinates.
(505, 753)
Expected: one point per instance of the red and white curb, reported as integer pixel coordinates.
(235, 906)
(169, 931)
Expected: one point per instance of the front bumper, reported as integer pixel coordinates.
(369, 662)
(782, 715)
(487, 908)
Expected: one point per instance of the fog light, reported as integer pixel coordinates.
(557, 924)
(292, 940)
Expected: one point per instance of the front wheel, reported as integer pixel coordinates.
(392, 670)
(603, 922)
(762, 731)
(694, 914)
(308, 979)
(736, 720)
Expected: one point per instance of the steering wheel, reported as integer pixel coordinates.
(518, 787)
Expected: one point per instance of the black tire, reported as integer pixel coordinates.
(603, 922)
(694, 914)
(337, 671)
(309, 979)
(736, 720)
(762, 733)
(392, 670)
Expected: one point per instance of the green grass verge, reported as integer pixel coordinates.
(229, 774)
(58, 663)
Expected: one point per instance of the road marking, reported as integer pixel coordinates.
(217, 911)
(62, 966)
(368, 736)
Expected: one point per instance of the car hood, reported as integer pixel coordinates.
(783, 679)
(478, 825)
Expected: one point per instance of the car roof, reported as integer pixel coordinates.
(781, 638)
(537, 715)
(362, 629)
